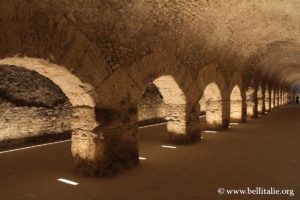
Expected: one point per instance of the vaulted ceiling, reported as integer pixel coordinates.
(258, 35)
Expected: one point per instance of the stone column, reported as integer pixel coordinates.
(236, 111)
(183, 123)
(215, 115)
(267, 104)
(108, 148)
(260, 105)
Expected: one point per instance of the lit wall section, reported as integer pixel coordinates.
(236, 105)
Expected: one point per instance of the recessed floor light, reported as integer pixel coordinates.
(142, 158)
(167, 146)
(211, 131)
(233, 123)
(67, 181)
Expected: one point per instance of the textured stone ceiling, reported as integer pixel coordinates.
(240, 35)
(24, 87)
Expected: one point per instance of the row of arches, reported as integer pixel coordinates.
(104, 137)
(257, 103)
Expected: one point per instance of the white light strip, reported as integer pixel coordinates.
(142, 158)
(234, 123)
(210, 131)
(152, 125)
(167, 146)
(202, 116)
(67, 181)
(35, 146)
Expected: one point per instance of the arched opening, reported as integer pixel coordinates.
(82, 118)
(236, 105)
(175, 102)
(151, 108)
(167, 103)
(211, 107)
(33, 109)
(267, 99)
(250, 102)
(260, 100)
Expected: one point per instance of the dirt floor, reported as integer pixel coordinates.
(263, 153)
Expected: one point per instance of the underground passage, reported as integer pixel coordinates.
(196, 100)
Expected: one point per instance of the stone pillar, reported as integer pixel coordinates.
(250, 108)
(260, 103)
(225, 112)
(84, 141)
(217, 116)
(183, 123)
(108, 148)
(251, 102)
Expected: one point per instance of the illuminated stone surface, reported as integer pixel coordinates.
(236, 104)
(104, 54)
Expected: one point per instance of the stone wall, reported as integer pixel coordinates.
(32, 108)
(151, 108)
(20, 125)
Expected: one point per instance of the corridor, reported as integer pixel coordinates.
(262, 152)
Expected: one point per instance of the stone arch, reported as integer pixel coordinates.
(83, 104)
(117, 109)
(211, 78)
(178, 90)
(72, 86)
(175, 105)
(250, 95)
(236, 105)
(236, 81)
